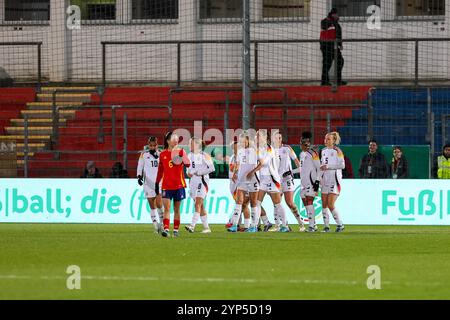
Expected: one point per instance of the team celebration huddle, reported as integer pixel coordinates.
(260, 165)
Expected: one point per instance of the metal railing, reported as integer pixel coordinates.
(311, 107)
(227, 102)
(256, 49)
(114, 134)
(113, 118)
(55, 111)
(38, 45)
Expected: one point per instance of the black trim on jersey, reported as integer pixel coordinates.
(204, 183)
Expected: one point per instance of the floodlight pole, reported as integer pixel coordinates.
(246, 76)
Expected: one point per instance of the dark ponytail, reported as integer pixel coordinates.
(167, 138)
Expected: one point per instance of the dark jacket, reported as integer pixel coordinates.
(118, 171)
(401, 169)
(377, 163)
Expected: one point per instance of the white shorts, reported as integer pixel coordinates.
(334, 188)
(197, 190)
(268, 185)
(250, 186)
(287, 185)
(308, 191)
(149, 191)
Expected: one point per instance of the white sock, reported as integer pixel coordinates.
(255, 216)
(276, 219)
(205, 221)
(246, 223)
(311, 215)
(258, 213)
(326, 217)
(279, 208)
(195, 219)
(297, 216)
(161, 214)
(236, 214)
(336, 217)
(153, 213)
(265, 220)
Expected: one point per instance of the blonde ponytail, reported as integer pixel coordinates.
(336, 137)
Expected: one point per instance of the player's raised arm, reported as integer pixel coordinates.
(185, 158)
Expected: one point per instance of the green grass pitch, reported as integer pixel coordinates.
(131, 262)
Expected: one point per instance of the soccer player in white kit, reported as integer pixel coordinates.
(232, 168)
(309, 177)
(270, 181)
(286, 156)
(332, 163)
(246, 180)
(146, 173)
(198, 172)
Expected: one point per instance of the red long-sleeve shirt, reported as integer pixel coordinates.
(170, 169)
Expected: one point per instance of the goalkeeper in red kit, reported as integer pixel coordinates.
(172, 161)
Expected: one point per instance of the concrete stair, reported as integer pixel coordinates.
(40, 105)
(64, 97)
(40, 118)
(46, 114)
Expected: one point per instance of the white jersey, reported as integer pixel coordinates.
(309, 167)
(246, 161)
(148, 167)
(333, 158)
(271, 162)
(286, 156)
(201, 166)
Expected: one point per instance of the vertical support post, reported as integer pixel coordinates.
(370, 115)
(416, 64)
(113, 132)
(285, 123)
(246, 67)
(101, 133)
(39, 66)
(103, 64)
(56, 134)
(312, 122)
(170, 114)
(256, 64)
(178, 65)
(25, 147)
(432, 144)
(444, 128)
(328, 122)
(226, 123)
(227, 110)
(54, 123)
(125, 141)
(428, 136)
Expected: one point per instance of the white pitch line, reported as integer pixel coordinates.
(223, 280)
(207, 280)
(232, 280)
